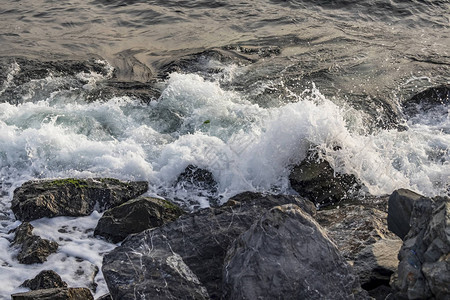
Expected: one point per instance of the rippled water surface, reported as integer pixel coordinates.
(139, 90)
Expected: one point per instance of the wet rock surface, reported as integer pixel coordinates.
(135, 216)
(400, 207)
(46, 279)
(316, 180)
(33, 249)
(200, 240)
(199, 182)
(55, 294)
(238, 54)
(424, 268)
(427, 100)
(72, 76)
(286, 255)
(360, 232)
(72, 197)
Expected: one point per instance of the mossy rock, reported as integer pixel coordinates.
(72, 196)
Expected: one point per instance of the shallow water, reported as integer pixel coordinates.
(139, 90)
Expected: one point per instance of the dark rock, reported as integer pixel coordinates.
(55, 294)
(198, 182)
(33, 249)
(424, 268)
(360, 232)
(46, 279)
(201, 240)
(287, 255)
(135, 216)
(195, 62)
(72, 197)
(399, 211)
(427, 100)
(105, 297)
(316, 180)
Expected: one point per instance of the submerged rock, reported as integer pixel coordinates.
(72, 197)
(198, 182)
(33, 249)
(46, 279)
(195, 62)
(424, 268)
(200, 240)
(55, 294)
(286, 255)
(135, 216)
(399, 211)
(427, 100)
(316, 180)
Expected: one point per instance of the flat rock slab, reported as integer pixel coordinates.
(72, 197)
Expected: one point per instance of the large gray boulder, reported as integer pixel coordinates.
(317, 181)
(55, 294)
(360, 232)
(424, 268)
(72, 197)
(287, 255)
(32, 248)
(135, 216)
(399, 211)
(200, 240)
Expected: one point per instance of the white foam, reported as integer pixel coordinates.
(77, 258)
(195, 121)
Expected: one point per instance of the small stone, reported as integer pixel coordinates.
(46, 279)
(33, 249)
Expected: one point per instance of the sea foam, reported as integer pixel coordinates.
(196, 121)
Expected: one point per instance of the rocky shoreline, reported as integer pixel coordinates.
(255, 246)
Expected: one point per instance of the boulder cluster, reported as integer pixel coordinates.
(255, 246)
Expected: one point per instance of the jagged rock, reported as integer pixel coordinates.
(316, 180)
(198, 182)
(33, 249)
(55, 294)
(399, 211)
(424, 268)
(287, 255)
(135, 216)
(200, 239)
(361, 234)
(72, 197)
(46, 279)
